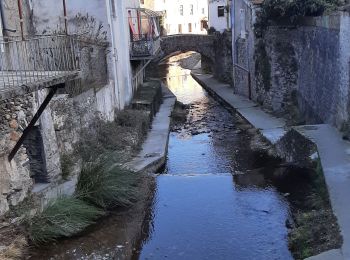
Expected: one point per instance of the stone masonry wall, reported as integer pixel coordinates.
(303, 71)
(222, 67)
(15, 181)
(59, 128)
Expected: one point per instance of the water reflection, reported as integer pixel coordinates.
(217, 199)
(176, 78)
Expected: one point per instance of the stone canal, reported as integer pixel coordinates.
(216, 198)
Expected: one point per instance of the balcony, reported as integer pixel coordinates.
(143, 47)
(144, 28)
(31, 64)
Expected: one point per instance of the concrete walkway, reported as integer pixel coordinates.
(270, 127)
(154, 149)
(333, 151)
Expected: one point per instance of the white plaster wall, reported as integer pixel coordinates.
(121, 43)
(219, 23)
(49, 18)
(173, 17)
(105, 102)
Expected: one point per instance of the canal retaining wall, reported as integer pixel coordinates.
(300, 70)
(299, 145)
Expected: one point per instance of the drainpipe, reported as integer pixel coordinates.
(228, 18)
(65, 17)
(111, 15)
(19, 3)
(2, 19)
(233, 40)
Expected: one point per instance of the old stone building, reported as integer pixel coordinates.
(219, 15)
(182, 16)
(62, 65)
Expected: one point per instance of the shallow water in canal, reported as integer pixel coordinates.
(215, 199)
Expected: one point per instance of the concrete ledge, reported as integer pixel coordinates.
(154, 150)
(299, 143)
(329, 255)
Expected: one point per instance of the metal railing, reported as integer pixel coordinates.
(23, 62)
(143, 46)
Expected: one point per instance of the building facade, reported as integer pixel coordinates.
(63, 66)
(219, 15)
(181, 16)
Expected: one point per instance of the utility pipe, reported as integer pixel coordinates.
(111, 17)
(19, 3)
(2, 19)
(233, 39)
(65, 17)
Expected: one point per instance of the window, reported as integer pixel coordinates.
(181, 10)
(204, 25)
(221, 11)
(180, 28)
(191, 9)
(203, 10)
(189, 27)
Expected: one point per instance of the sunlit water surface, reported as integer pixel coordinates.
(215, 199)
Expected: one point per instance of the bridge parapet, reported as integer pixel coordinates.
(203, 44)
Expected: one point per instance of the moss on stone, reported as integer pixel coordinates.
(63, 217)
(67, 164)
(316, 229)
(262, 65)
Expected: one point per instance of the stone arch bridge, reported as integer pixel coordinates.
(203, 44)
(216, 51)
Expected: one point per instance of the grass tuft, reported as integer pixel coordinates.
(107, 187)
(316, 228)
(63, 217)
(125, 134)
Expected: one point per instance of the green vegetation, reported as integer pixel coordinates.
(316, 229)
(262, 65)
(125, 134)
(139, 120)
(295, 8)
(275, 10)
(67, 165)
(63, 217)
(107, 187)
(102, 185)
